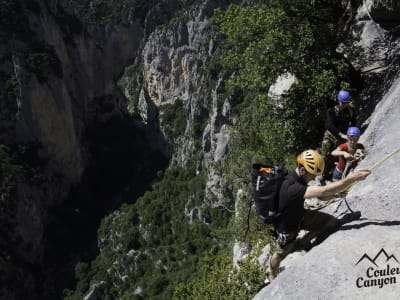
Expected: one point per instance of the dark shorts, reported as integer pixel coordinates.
(314, 221)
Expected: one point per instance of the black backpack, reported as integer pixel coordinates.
(266, 181)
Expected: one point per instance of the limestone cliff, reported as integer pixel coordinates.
(60, 76)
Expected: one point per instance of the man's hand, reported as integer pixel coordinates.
(359, 174)
(348, 156)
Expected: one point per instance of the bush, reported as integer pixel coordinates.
(43, 61)
(221, 280)
(173, 118)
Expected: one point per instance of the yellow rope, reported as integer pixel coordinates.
(370, 169)
(376, 165)
(385, 158)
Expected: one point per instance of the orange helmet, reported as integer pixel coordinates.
(312, 162)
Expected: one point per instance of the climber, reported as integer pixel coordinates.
(294, 217)
(338, 119)
(349, 154)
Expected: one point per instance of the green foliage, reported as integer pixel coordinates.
(43, 61)
(8, 97)
(173, 118)
(220, 280)
(10, 169)
(130, 84)
(15, 167)
(16, 163)
(151, 244)
(272, 38)
(12, 88)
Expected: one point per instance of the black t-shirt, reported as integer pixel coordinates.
(291, 203)
(338, 120)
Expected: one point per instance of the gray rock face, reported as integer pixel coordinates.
(374, 54)
(55, 113)
(96, 291)
(377, 196)
(330, 271)
(386, 13)
(173, 59)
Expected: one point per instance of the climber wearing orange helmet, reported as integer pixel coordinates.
(294, 217)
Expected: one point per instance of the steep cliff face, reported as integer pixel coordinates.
(359, 261)
(65, 108)
(374, 52)
(173, 71)
(57, 111)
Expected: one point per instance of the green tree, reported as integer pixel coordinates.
(272, 38)
(222, 280)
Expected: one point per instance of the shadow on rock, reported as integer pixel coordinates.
(370, 222)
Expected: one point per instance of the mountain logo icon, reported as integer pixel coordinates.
(381, 252)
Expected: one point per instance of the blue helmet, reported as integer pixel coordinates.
(343, 96)
(353, 131)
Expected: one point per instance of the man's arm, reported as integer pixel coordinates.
(324, 192)
(339, 152)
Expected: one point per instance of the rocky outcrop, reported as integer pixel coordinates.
(173, 70)
(374, 53)
(385, 13)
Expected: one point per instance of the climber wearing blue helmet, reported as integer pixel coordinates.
(338, 119)
(349, 154)
(353, 132)
(343, 96)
